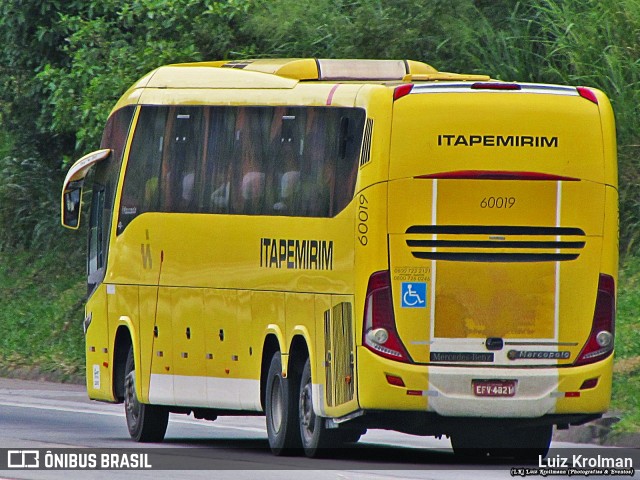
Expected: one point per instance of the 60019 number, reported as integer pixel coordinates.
(497, 202)
(363, 219)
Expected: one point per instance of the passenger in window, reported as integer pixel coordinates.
(220, 198)
(219, 157)
(188, 181)
(252, 186)
(151, 194)
(247, 187)
(185, 146)
(317, 169)
(289, 184)
(288, 145)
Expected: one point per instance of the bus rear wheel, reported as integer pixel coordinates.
(499, 441)
(316, 439)
(281, 409)
(530, 443)
(146, 423)
(350, 435)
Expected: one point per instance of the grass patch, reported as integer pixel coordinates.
(626, 377)
(41, 316)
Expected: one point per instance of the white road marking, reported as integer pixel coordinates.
(187, 421)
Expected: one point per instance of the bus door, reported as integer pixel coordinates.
(177, 367)
(138, 253)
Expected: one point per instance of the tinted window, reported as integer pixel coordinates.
(105, 181)
(294, 161)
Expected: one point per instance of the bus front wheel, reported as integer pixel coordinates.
(281, 409)
(146, 423)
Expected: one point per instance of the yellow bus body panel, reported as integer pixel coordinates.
(97, 347)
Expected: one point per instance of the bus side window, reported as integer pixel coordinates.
(217, 160)
(288, 187)
(142, 181)
(351, 131)
(286, 146)
(181, 161)
(293, 161)
(247, 185)
(96, 252)
(103, 195)
(252, 189)
(317, 164)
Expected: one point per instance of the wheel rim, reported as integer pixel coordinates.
(307, 415)
(131, 403)
(276, 404)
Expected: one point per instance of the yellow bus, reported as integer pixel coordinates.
(351, 244)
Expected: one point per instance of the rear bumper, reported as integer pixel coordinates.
(447, 391)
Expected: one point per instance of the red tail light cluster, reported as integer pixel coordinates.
(379, 334)
(402, 90)
(495, 86)
(600, 343)
(588, 94)
(497, 175)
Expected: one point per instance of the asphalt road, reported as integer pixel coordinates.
(41, 415)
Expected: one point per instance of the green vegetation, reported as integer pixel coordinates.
(626, 384)
(64, 63)
(42, 306)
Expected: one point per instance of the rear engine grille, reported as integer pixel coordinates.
(480, 243)
(338, 337)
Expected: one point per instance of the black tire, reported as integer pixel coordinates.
(470, 444)
(524, 444)
(316, 439)
(146, 423)
(346, 435)
(527, 444)
(281, 409)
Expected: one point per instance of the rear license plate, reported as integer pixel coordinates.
(494, 388)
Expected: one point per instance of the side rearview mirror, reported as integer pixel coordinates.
(71, 201)
(71, 205)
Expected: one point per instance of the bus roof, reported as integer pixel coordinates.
(332, 69)
(286, 72)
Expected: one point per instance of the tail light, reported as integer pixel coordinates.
(402, 90)
(601, 339)
(588, 94)
(495, 86)
(379, 333)
(497, 175)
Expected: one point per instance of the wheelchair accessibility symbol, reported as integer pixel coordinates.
(414, 295)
